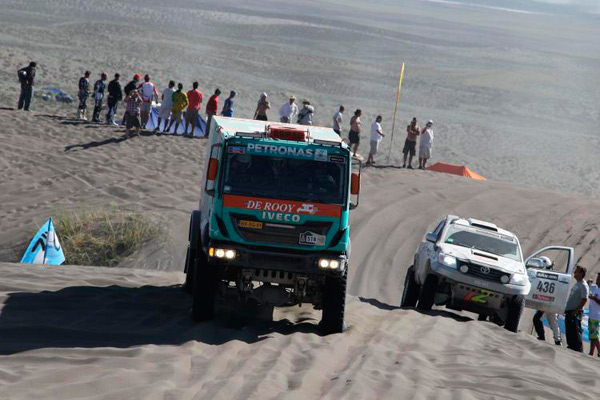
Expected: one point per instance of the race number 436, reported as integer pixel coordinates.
(545, 287)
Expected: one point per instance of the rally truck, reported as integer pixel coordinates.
(472, 265)
(273, 220)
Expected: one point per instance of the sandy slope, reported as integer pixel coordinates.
(88, 332)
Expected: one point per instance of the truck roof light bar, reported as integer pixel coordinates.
(254, 134)
(288, 133)
(325, 142)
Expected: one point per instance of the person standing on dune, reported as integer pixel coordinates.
(410, 144)
(127, 89)
(212, 107)
(133, 101)
(426, 144)
(148, 92)
(166, 107)
(115, 95)
(26, 77)
(376, 136)
(194, 104)
(228, 108)
(574, 310)
(99, 89)
(262, 107)
(288, 110)
(354, 134)
(305, 115)
(180, 102)
(337, 120)
(594, 317)
(83, 94)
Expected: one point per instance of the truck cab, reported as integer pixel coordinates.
(273, 219)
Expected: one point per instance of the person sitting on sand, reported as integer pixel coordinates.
(180, 101)
(376, 136)
(166, 107)
(426, 144)
(262, 107)
(194, 104)
(133, 101)
(354, 134)
(410, 144)
(83, 94)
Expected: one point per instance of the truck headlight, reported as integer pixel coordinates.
(227, 254)
(447, 260)
(325, 263)
(518, 279)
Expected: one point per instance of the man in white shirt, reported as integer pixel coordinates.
(376, 136)
(166, 106)
(594, 317)
(148, 92)
(425, 144)
(337, 121)
(288, 110)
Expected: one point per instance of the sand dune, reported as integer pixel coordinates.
(125, 333)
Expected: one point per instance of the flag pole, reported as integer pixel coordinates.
(395, 110)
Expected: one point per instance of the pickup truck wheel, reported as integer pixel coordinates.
(190, 259)
(513, 317)
(428, 293)
(205, 288)
(410, 295)
(334, 304)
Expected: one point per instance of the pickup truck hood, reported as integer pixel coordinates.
(481, 257)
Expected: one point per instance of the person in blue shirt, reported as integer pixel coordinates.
(228, 105)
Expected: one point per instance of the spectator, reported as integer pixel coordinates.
(426, 144)
(83, 94)
(212, 108)
(354, 134)
(305, 115)
(194, 104)
(410, 144)
(551, 317)
(594, 317)
(574, 310)
(115, 95)
(337, 121)
(376, 136)
(133, 101)
(128, 88)
(166, 106)
(148, 92)
(180, 102)
(228, 105)
(262, 107)
(288, 110)
(26, 78)
(99, 89)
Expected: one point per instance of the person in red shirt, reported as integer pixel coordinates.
(211, 109)
(194, 105)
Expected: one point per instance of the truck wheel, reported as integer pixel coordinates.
(190, 259)
(205, 288)
(334, 304)
(428, 293)
(513, 317)
(410, 295)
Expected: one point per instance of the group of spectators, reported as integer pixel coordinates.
(139, 94)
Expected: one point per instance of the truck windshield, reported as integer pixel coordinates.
(494, 243)
(286, 178)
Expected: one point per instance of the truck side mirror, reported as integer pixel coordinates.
(431, 237)
(355, 184)
(534, 263)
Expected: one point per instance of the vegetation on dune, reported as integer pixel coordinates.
(103, 236)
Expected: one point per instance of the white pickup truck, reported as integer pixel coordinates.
(473, 265)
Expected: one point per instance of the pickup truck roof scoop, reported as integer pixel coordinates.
(482, 224)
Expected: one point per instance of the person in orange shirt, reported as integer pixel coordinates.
(194, 104)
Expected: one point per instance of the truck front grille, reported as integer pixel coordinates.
(278, 233)
(484, 272)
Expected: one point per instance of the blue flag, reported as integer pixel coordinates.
(44, 247)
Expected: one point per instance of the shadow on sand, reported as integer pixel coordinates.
(116, 316)
(434, 312)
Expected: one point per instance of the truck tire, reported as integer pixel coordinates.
(190, 257)
(205, 288)
(334, 304)
(513, 317)
(410, 295)
(427, 295)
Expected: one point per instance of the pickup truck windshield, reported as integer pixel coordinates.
(286, 178)
(491, 243)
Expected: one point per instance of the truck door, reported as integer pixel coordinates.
(550, 288)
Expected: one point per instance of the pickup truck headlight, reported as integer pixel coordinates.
(447, 260)
(518, 279)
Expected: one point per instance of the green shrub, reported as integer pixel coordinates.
(103, 237)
